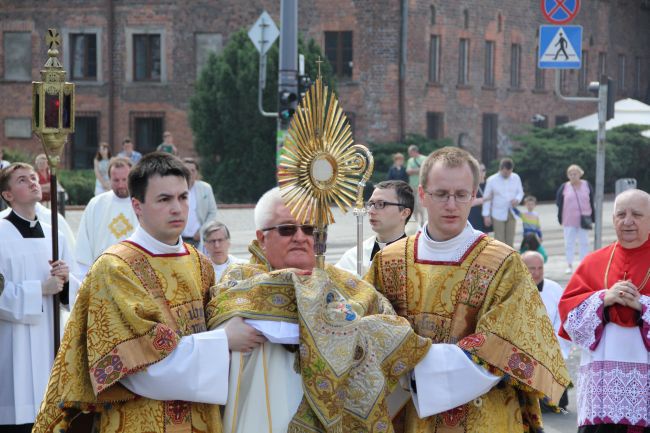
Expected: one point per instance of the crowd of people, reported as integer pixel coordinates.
(446, 329)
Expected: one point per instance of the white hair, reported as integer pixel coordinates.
(265, 208)
(632, 192)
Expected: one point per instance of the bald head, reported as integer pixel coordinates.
(632, 218)
(534, 261)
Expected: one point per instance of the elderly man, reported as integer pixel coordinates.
(350, 351)
(216, 242)
(107, 219)
(203, 207)
(503, 192)
(551, 292)
(472, 296)
(605, 310)
(389, 209)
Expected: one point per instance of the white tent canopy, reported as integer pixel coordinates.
(626, 111)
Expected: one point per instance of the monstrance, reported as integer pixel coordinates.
(320, 165)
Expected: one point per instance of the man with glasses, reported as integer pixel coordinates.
(389, 209)
(216, 242)
(474, 298)
(317, 321)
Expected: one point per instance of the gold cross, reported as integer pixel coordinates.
(318, 62)
(53, 39)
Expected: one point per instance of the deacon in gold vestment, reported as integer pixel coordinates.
(134, 353)
(349, 348)
(473, 295)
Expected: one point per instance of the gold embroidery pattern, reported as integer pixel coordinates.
(120, 226)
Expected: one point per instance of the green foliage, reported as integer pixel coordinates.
(545, 155)
(17, 155)
(383, 152)
(79, 184)
(236, 143)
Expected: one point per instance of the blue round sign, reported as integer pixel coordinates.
(560, 11)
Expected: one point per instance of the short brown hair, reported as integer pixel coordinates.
(450, 157)
(118, 161)
(5, 175)
(188, 160)
(155, 163)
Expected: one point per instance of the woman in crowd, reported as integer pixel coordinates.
(43, 172)
(102, 158)
(475, 217)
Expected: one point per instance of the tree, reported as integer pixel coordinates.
(235, 142)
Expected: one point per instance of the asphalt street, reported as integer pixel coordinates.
(342, 235)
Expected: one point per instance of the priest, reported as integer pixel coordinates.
(26, 312)
(473, 297)
(107, 219)
(605, 310)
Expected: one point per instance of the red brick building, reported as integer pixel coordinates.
(468, 70)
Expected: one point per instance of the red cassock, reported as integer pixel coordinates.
(601, 270)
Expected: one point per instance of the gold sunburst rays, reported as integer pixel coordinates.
(320, 164)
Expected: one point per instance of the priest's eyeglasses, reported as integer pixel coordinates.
(380, 204)
(443, 196)
(291, 229)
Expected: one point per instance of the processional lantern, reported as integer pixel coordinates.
(320, 165)
(53, 116)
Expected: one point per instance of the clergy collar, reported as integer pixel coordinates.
(540, 286)
(27, 228)
(143, 239)
(451, 250)
(383, 244)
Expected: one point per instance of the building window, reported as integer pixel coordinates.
(17, 56)
(83, 56)
(563, 80)
(622, 69)
(146, 57)
(602, 65)
(434, 59)
(489, 63)
(435, 125)
(540, 121)
(18, 127)
(147, 130)
(352, 120)
(561, 120)
(583, 74)
(206, 44)
(539, 73)
(490, 138)
(515, 66)
(84, 140)
(499, 23)
(433, 15)
(638, 70)
(466, 18)
(463, 62)
(338, 49)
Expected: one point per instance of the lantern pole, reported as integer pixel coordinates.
(52, 121)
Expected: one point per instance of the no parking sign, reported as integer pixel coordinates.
(560, 11)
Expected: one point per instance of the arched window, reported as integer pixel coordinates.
(499, 23)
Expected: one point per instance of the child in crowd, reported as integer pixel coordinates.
(531, 242)
(530, 218)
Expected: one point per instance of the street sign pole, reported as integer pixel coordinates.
(288, 65)
(600, 161)
(263, 33)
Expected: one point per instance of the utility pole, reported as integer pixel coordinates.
(288, 69)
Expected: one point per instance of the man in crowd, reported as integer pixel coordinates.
(605, 310)
(107, 219)
(329, 314)
(128, 151)
(167, 145)
(216, 241)
(31, 280)
(413, 166)
(135, 354)
(203, 207)
(389, 209)
(550, 292)
(472, 296)
(503, 192)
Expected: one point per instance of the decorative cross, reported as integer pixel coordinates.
(53, 39)
(318, 62)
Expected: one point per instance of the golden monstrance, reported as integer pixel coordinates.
(321, 166)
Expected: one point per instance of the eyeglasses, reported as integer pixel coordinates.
(216, 241)
(291, 229)
(380, 204)
(443, 196)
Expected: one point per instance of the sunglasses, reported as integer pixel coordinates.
(291, 229)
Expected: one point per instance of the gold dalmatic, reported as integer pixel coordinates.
(320, 164)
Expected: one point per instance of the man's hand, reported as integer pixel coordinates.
(623, 293)
(242, 337)
(514, 202)
(52, 286)
(487, 221)
(60, 269)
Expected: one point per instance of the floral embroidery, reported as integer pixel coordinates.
(178, 411)
(165, 339)
(472, 341)
(521, 366)
(454, 416)
(108, 370)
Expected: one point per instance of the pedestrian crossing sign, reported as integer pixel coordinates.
(560, 47)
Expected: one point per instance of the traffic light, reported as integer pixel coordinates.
(304, 82)
(611, 99)
(287, 102)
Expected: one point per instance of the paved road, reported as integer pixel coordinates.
(342, 235)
